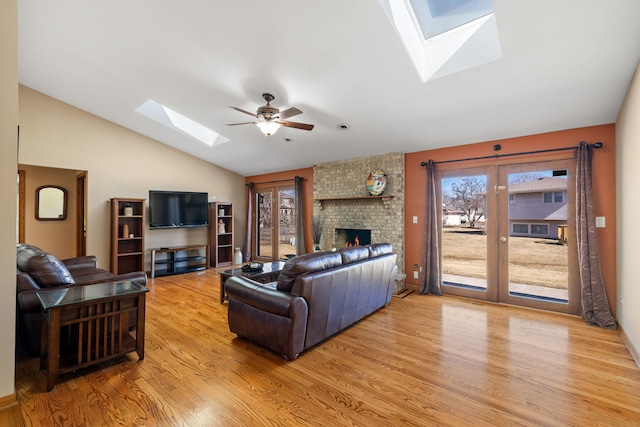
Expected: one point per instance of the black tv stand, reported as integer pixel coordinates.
(179, 260)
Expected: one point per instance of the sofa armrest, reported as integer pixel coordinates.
(274, 319)
(135, 276)
(257, 295)
(25, 282)
(79, 263)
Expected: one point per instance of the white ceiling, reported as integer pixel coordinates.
(565, 64)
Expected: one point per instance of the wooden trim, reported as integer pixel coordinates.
(8, 401)
(80, 214)
(21, 204)
(386, 200)
(632, 348)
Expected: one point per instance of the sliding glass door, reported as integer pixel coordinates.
(467, 253)
(274, 223)
(506, 234)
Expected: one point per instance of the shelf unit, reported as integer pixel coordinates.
(127, 235)
(221, 242)
(179, 259)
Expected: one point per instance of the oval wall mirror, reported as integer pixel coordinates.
(51, 203)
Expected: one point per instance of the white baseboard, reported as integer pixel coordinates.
(632, 349)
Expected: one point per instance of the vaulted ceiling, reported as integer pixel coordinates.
(565, 64)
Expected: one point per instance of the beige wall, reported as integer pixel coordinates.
(8, 171)
(56, 237)
(119, 163)
(627, 210)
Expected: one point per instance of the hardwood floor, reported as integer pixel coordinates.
(421, 361)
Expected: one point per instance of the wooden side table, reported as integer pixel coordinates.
(85, 325)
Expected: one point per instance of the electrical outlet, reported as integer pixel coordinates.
(600, 222)
(415, 275)
(415, 219)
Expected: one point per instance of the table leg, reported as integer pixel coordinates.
(153, 264)
(223, 296)
(44, 339)
(140, 325)
(53, 356)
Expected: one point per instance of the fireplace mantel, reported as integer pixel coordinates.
(386, 200)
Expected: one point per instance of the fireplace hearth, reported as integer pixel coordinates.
(352, 237)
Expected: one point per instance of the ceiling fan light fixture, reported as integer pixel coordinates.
(268, 128)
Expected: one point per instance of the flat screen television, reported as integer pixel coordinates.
(178, 209)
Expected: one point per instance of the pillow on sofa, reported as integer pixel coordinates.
(46, 269)
(315, 261)
(378, 249)
(354, 254)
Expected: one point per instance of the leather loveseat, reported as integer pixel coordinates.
(316, 296)
(38, 270)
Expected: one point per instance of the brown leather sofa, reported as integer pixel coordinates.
(316, 296)
(38, 270)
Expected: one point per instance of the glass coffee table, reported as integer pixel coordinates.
(269, 273)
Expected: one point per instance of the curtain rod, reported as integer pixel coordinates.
(497, 156)
(280, 180)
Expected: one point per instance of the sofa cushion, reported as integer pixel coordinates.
(354, 254)
(307, 263)
(379, 249)
(44, 268)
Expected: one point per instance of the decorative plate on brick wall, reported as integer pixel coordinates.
(376, 182)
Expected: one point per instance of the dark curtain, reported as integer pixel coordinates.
(431, 253)
(251, 195)
(595, 306)
(300, 249)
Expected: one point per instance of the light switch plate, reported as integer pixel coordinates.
(600, 222)
(415, 219)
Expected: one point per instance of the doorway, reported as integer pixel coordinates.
(65, 238)
(274, 222)
(506, 234)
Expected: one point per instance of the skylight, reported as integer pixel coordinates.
(445, 36)
(436, 17)
(177, 121)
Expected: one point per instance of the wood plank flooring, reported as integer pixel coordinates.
(421, 361)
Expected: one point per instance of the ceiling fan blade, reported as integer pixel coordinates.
(293, 111)
(243, 123)
(303, 126)
(243, 111)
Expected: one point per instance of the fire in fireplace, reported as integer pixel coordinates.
(352, 237)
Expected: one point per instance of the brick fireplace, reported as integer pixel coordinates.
(341, 198)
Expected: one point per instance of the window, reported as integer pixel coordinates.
(177, 121)
(445, 36)
(437, 17)
(554, 197)
(540, 229)
(558, 197)
(521, 228)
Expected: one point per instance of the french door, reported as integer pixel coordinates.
(274, 225)
(507, 234)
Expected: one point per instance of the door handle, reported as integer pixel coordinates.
(503, 239)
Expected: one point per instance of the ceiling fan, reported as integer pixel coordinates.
(270, 118)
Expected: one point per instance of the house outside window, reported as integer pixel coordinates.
(554, 197)
(540, 229)
(521, 228)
